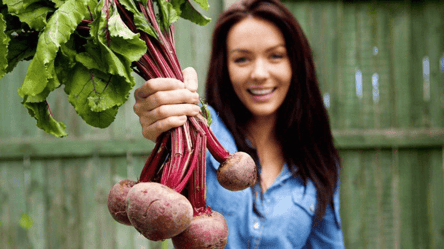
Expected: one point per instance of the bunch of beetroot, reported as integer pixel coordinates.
(168, 200)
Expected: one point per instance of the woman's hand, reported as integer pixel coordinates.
(165, 103)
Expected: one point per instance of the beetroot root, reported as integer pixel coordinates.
(157, 211)
(205, 231)
(238, 172)
(117, 201)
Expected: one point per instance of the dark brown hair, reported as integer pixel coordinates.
(303, 127)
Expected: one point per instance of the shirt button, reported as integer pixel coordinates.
(312, 207)
(256, 225)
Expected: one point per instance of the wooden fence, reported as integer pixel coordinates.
(381, 70)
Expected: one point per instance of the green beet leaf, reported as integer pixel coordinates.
(31, 12)
(95, 96)
(138, 18)
(58, 3)
(45, 121)
(203, 4)
(4, 42)
(168, 14)
(191, 14)
(35, 16)
(58, 30)
(41, 78)
(21, 47)
(123, 40)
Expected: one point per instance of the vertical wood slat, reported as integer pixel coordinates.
(6, 225)
(400, 61)
(36, 203)
(434, 40)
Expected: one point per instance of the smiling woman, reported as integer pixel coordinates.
(264, 99)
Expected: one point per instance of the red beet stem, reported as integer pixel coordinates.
(214, 146)
(156, 158)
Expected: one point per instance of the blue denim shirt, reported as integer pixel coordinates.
(287, 208)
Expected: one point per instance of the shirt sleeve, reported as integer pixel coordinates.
(328, 233)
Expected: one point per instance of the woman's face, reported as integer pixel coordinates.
(258, 66)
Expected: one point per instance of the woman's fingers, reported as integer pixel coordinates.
(154, 130)
(190, 79)
(158, 84)
(165, 98)
(165, 111)
(164, 118)
(165, 103)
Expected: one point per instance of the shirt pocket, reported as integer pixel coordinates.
(300, 220)
(305, 200)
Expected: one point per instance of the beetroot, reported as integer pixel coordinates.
(117, 201)
(238, 172)
(205, 231)
(157, 211)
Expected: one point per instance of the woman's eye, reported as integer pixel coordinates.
(277, 56)
(240, 60)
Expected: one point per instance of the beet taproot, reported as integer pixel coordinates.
(238, 172)
(205, 231)
(117, 201)
(157, 211)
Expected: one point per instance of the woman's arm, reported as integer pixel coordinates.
(165, 103)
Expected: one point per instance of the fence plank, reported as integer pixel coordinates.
(71, 202)
(435, 198)
(55, 213)
(88, 201)
(434, 36)
(350, 199)
(36, 203)
(6, 225)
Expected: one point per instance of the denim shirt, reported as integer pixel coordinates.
(287, 208)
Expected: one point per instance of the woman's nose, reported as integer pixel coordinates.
(260, 70)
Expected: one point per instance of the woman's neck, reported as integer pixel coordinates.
(262, 134)
(261, 130)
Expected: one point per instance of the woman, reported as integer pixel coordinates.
(265, 100)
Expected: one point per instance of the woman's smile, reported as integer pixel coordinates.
(261, 94)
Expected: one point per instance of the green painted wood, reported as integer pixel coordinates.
(56, 235)
(6, 225)
(407, 161)
(350, 103)
(434, 29)
(103, 180)
(17, 203)
(36, 202)
(350, 199)
(399, 46)
(71, 202)
(436, 199)
(88, 202)
(74, 148)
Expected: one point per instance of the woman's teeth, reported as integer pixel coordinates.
(261, 91)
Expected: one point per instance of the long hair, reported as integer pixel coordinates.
(303, 127)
